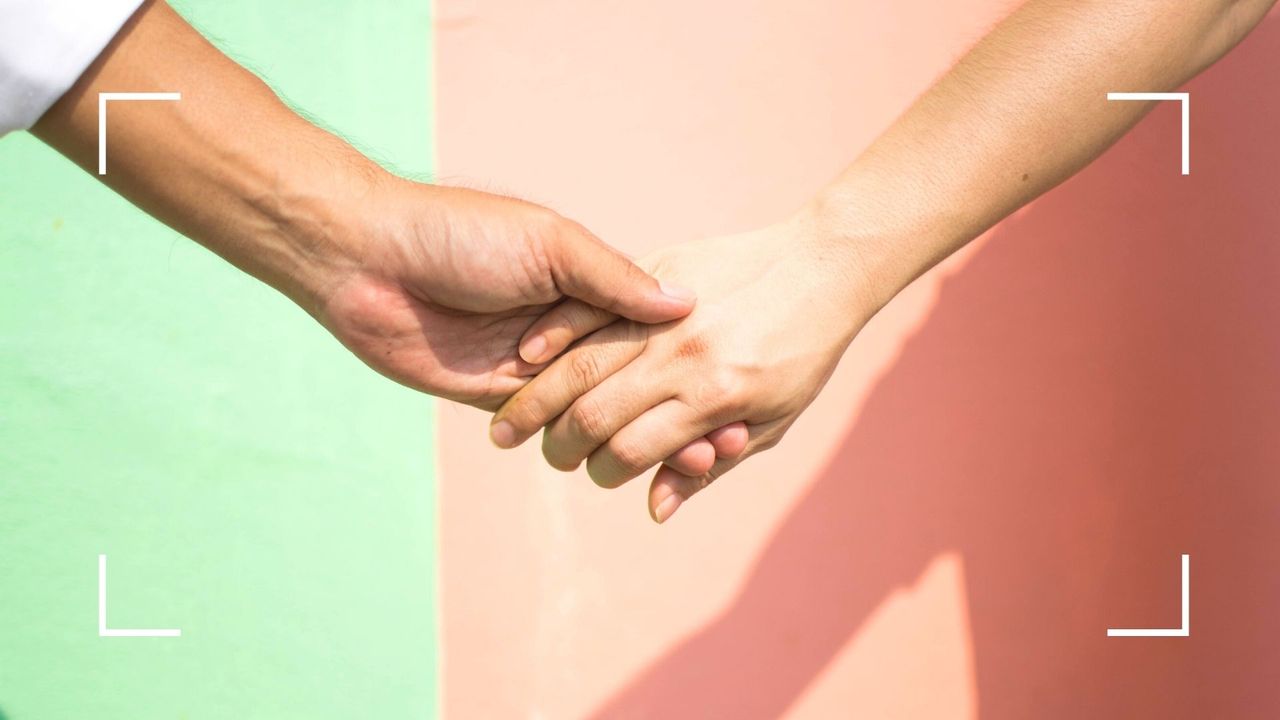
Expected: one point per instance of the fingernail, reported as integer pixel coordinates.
(683, 294)
(666, 507)
(533, 350)
(503, 434)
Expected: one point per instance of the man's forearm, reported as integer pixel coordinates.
(229, 165)
(1024, 110)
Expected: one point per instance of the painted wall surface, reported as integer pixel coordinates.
(1010, 460)
(250, 482)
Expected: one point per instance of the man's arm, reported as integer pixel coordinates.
(432, 286)
(1024, 110)
(229, 165)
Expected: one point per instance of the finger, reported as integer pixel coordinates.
(693, 459)
(583, 267)
(556, 330)
(599, 413)
(670, 489)
(698, 456)
(645, 441)
(553, 390)
(729, 442)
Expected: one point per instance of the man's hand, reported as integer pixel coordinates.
(430, 286)
(776, 310)
(441, 283)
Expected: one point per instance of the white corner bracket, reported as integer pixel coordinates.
(1184, 631)
(103, 98)
(1185, 99)
(103, 630)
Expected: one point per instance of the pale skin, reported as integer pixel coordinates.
(431, 286)
(1020, 113)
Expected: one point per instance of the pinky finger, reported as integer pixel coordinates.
(733, 443)
(670, 488)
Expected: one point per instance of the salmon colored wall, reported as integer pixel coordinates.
(1010, 459)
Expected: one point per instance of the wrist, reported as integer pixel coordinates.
(313, 214)
(880, 243)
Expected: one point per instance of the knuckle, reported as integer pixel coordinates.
(630, 458)
(588, 420)
(584, 370)
(538, 279)
(724, 389)
(542, 228)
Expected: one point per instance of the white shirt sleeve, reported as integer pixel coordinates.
(45, 45)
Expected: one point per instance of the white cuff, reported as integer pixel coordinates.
(45, 45)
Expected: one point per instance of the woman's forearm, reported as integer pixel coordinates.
(1023, 111)
(1019, 114)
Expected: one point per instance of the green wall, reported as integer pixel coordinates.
(250, 482)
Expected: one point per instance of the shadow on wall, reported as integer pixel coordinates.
(1096, 392)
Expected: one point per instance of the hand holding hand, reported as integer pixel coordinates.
(776, 311)
(435, 286)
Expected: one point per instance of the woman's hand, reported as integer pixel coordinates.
(776, 310)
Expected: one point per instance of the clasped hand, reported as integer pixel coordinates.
(774, 314)
(508, 306)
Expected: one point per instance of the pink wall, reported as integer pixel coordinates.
(1009, 461)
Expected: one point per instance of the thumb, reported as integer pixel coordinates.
(583, 267)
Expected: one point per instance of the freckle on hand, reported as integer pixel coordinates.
(1024, 177)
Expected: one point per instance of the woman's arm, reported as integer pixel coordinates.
(1021, 112)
